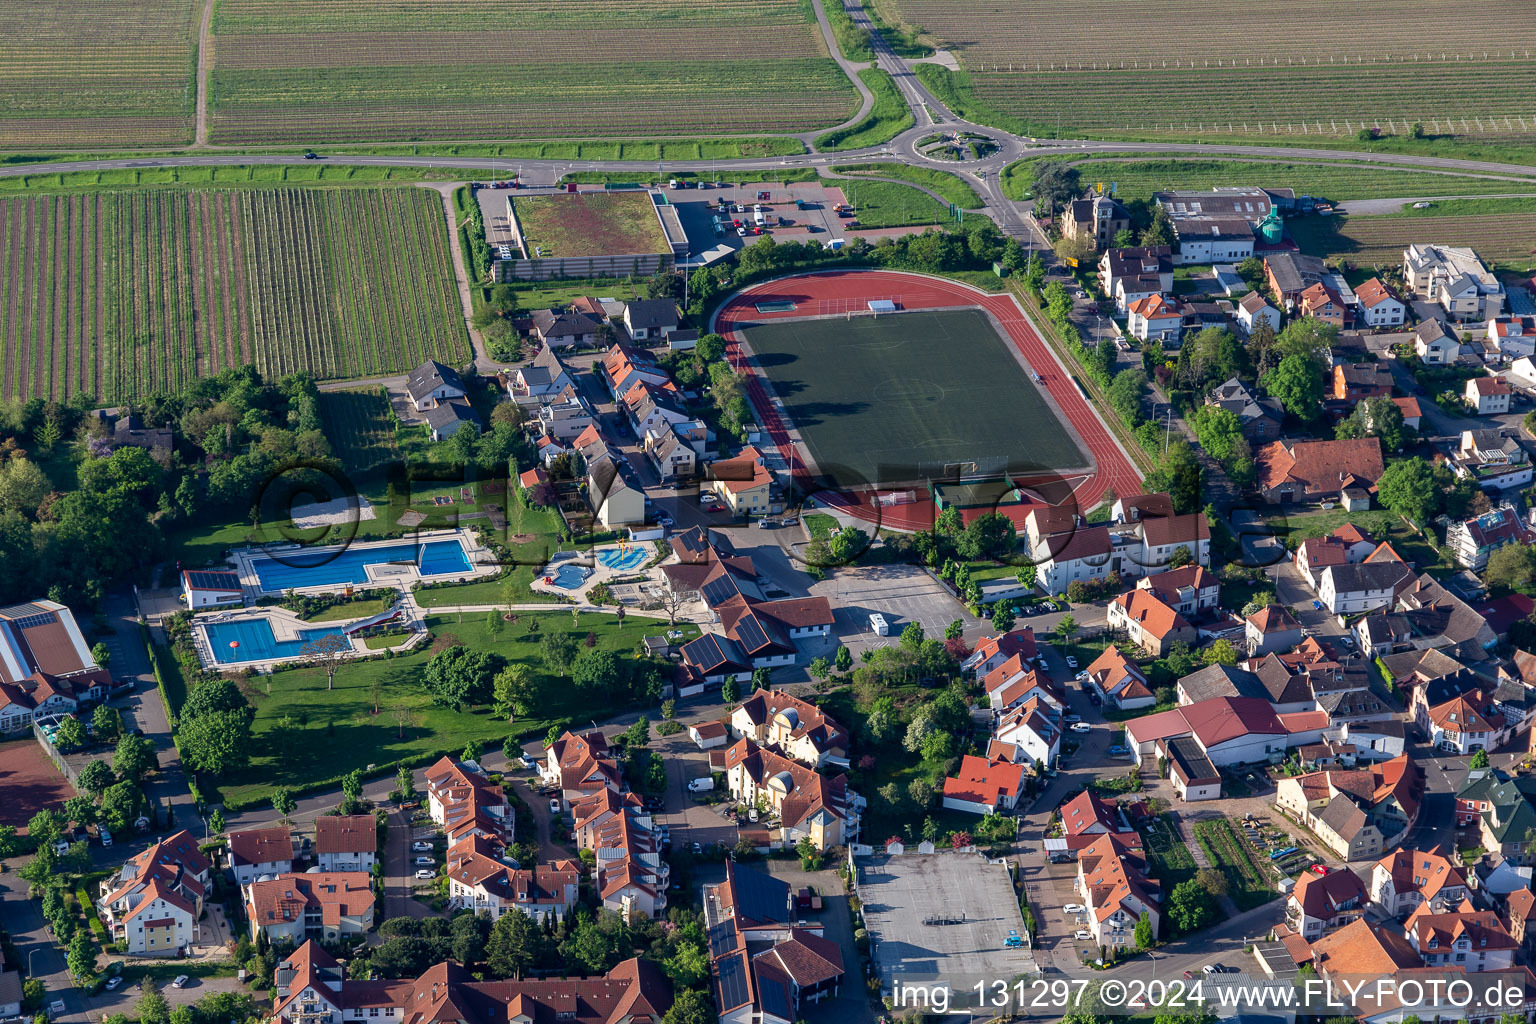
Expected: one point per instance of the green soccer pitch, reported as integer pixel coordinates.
(903, 396)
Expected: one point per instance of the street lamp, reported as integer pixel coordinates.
(31, 973)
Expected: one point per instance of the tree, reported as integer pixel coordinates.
(1026, 575)
(512, 692)
(152, 1007)
(1297, 383)
(955, 629)
(283, 802)
(599, 674)
(594, 944)
(1189, 906)
(1220, 433)
(79, 809)
(762, 679)
(1054, 183)
(1479, 760)
(844, 659)
(1407, 487)
(559, 652)
(912, 637)
(1075, 250)
(1065, 627)
(1003, 617)
(987, 536)
(1144, 936)
(819, 668)
(1511, 568)
(107, 723)
(121, 805)
(70, 734)
(352, 784)
(1376, 417)
(1220, 653)
(101, 654)
(216, 822)
(96, 777)
(82, 955)
(730, 690)
(327, 651)
(1160, 231)
(691, 1006)
(218, 694)
(405, 784)
(23, 486)
(1263, 599)
(470, 933)
(458, 676)
(215, 743)
(133, 757)
(1125, 238)
(687, 966)
(1179, 660)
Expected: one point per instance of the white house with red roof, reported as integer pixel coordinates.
(1016, 681)
(1155, 318)
(1488, 396)
(992, 651)
(1377, 306)
(1323, 903)
(464, 802)
(152, 903)
(481, 881)
(1463, 939)
(1405, 880)
(1120, 681)
(346, 842)
(1086, 817)
(1148, 622)
(796, 728)
(1510, 338)
(1033, 731)
(1189, 590)
(984, 786)
(1112, 880)
(1270, 629)
(256, 852)
(1464, 724)
(1230, 730)
(324, 905)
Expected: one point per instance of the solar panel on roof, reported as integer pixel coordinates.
(732, 977)
(722, 939)
(775, 999)
(720, 590)
(751, 632)
(45, 619)
(760, 897)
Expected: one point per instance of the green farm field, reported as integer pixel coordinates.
(1503, 231)
(314, 71)
(118, 293)
(84, 73)
(919, 390)
(1039, 68)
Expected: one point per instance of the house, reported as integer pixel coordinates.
(1455, 279)
(1409, 407)
(46, 667)
(1434, 344)
(1214, 227)
(329, 906)
(1502, 811)
(1112, 880)
(992, 651)
(1464, 724)
(624, 366)
(1193, 776)
(1190, 590)
(810, 806)
(310, 987)
(1015, 681)
(257, 852)
(1357, 813)
(1120, 681)
(1440, 619)
(1261, 417)
(1472, 540)
(1405, 880)
(557, 328)
(1355, 382)
(1363, 948)
(1127, 275)
(448, 417)
(1346, 545)
(794, 727)
(1148, 622)
(1271, 628)
(1308, 471)
(1097, 218)
(347, 842)
(1028, 732)
(1155, 318)
(153, 902)
(1061, 559)
(208, 589)
(614, 500)
(1510, 338)
(1521, 907)
(1463, 939)
(161, 922)
(10, 994)
(1348, 589)
(1135, 508)
(1253, 309)
(544, 374)
(1378, 306)
(1323, 903)
(431, 384)
(1229, 730)
(1288, 274)
(1380, 740)
(707, 735)
(463, 802)
(479, 880)
(984, 786)
(673, 457)
(1488, 396)
(1087, 816)
(743, 483)
(1322, 303)
(129, 432)
(649, 319)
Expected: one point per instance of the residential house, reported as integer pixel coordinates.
(258, 852)
(1520, 908)
(1510, 338)
(1216, 226)
(1464, 724)
(544, 374)
(1271, 628)
(1148, 622)
(10, 994)
(431, 384)
(1155, 318)
(1061, 559)
(481, 881)
(1031, 731)
(1127, 275)
(794, 727)
(1308, 471)
(1496, 459)
(1505, 815)
(1472, 540)
(992, 651)
(1323, 903)
(558, 328)
(1357, 813)
(624, 366)
(1289, 274)
(565, 418)
(1463, 939)
(1440, 619)
(1378, 306)
(208, 589)
(744, 484)
(1367, 586)
(346, 842)
(1488, 396)
(129, 432)
(1218, 681)
(161, 922)
(1229, 730)
(1323, 303)
(1455, 279)
(1097, 218)
(463, 802)
(1015, 681)
(1112, 881)
(153, 902)
(1355, 382)
(1136, 507)
(328, 906)
(1405, 880)
(673, 457)
(615, 501)
(449, 417)
(1120, 681)
(1379, 740)
(1434, 344)
(1190, 590)
(984, 786)
(650, 319)
(809, 805)
(310, 987)
(1409, 407)
(1088, 816)
(1261, 417)
(1254, 308)
(1363, 948)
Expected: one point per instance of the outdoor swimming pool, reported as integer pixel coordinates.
(631, 557)
(325, 567)
(569, 576)
(257, 643)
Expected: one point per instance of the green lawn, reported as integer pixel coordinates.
(888, 118)
(352, 610)
(952, 187)
(1167, 856)
(306, 734)
(1381, 524)
(889, 204)
(820, 525)
(1247, 879)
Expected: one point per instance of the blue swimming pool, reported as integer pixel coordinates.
(570, 576)
(256, 641)
(622, 558)
(328, 568)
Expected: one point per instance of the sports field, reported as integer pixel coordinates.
(590, 224)
(908, 395)
(1037, 65)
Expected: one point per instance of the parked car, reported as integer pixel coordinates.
(425, 862)
(554, 805)
(1209, 969)
(112, 983)
(1119, 750)
(1080, 727)
(1082, 935)
(425, 875)
(1073, 908)
(1071, 662)
(180, 982)
(421, 847)
(702, 784)
(528, 761)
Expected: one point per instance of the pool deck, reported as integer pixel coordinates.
(598, 572)
(385, 574)
(286, 626)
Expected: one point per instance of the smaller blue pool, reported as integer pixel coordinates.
(622, 558)
(570, 576)
(256, 641)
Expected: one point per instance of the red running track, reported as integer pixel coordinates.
(837, 291)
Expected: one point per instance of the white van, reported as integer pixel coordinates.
(703, 784)
(758, 217)
(879, 625)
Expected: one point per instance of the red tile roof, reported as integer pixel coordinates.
(1156, 618)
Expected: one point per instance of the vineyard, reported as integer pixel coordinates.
(359, 427)
(1036, 67)
(116, 294)
(1506, 241)
(312, 71)
(82, 72)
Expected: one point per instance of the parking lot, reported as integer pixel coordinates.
(903, 594)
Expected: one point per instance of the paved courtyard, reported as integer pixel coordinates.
(902, 593)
